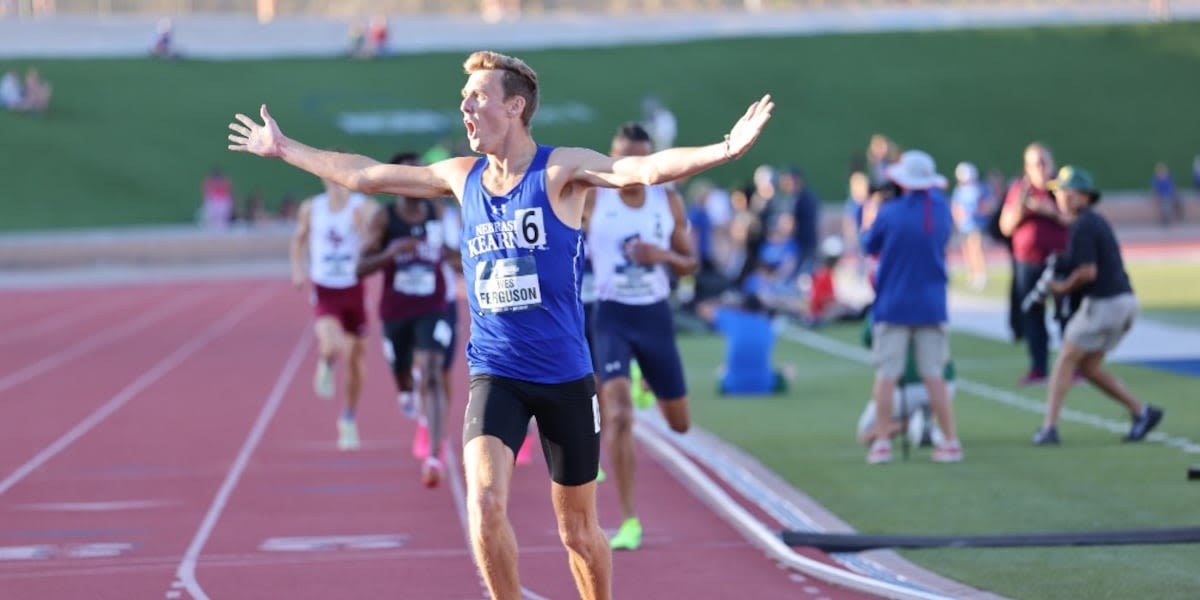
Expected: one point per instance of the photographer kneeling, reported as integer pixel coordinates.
(1096, 271)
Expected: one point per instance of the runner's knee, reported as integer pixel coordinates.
(576, 530)
(578, 539)
(430, 364)
(676, 414)
(619, 416)
(487, 505)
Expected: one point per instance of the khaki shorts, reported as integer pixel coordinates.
(930, 344)
(1099, 324)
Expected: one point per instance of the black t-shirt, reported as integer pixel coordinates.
(1092, 241)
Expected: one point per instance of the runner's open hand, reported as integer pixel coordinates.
(251, 137)
(746, 130)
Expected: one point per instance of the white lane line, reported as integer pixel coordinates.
(64, 317)
(97, 506)
(988, 392)
(186, 572)
(101, 339)
(130, 391)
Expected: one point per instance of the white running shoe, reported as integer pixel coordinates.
(950, 452)
(881, 453)
(347, 435)
(323, 380)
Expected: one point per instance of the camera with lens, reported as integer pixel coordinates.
(1041, 289)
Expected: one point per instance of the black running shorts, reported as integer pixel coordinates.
(568, 419)
(430, 332)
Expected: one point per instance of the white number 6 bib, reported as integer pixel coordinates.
(531, 228)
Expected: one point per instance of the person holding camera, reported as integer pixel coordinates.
(1038, 229)
(1105, 314)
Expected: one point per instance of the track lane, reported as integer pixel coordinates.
(135, 485)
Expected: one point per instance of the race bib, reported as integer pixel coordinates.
(531, 228)
(632, 281)
(507, 285)
(415, 280)
(336, 264)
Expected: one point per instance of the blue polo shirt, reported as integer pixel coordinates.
(909, 235)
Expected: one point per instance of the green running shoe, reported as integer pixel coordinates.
(629, 537)
(642, 397)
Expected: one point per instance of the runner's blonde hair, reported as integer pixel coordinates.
(518, 80)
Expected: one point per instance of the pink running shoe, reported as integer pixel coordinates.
(420, 443)
(525, 454)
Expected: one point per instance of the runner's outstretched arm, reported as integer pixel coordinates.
(357, 172)
(667, 165)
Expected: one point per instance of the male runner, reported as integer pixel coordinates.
(634, 234)
(522, 206)
(406, 241)
(328, 226)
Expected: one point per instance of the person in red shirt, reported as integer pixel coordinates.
(1038, 229)
(377, 36)
(217, 193)
(823, 305)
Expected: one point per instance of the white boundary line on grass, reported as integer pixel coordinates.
(755, 490)
(983, 390)
(758, 533)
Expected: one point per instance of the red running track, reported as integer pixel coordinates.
(163, 441)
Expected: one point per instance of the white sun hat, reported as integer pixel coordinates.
(915, 171)
(966, 172)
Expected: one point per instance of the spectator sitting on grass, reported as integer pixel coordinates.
(749, 343)
(32, 96)
(11, 94)
(777, 261)
(823, 305)
(36, 94)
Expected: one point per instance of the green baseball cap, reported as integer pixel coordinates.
(1074, 178)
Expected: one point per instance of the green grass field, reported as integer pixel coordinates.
(1006, 485)
(128, 141)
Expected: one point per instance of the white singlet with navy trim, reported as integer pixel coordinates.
(333, 243)
(612, 227)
